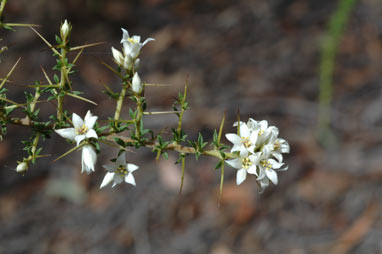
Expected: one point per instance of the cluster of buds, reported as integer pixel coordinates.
(259, 152)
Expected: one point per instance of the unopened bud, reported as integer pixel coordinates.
(65, 30)
(22, 167)
(137, 84)
(117, 55)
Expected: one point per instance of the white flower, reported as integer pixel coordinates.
(246, 141)
(88, 159)
(65, 30)
(82, 129)
(279, 146)
(245, 163)
(119, 172)
(136, 84)
(132, 45)
(22, 167)
(259, 152)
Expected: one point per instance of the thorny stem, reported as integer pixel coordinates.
(60, 99)
(172, 147)
(149, 144)
(35, 99)
(179, 129)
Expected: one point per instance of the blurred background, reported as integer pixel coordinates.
(311, 68)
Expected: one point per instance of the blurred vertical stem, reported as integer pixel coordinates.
(139, 117)
(2, 5)
(120, 101)
(329, 49)
(183, 108)
(60, 99)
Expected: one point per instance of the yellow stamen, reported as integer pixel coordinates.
(122, 170)
(246, 162)
(82, 130)
(266, 164)
(132, 40)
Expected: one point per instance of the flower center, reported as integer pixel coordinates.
(276, 146)
(121, 170)
(82, 130)
(246, 162)
(131, 40)
(246, 142)
(266, 164)
(261, 132)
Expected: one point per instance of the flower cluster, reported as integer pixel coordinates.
(131, 49)
(259, 152)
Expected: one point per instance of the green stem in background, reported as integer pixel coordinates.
(183, 108)
(221, 182)
(138, 117)
(171, 147)
(35, 99)
(2, 5)
(34, 145)
(121, 97)
(330, 45)
(183, 161)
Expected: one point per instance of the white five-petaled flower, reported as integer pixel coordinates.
(119, 172)
(259, 152)
(83, 129)
(246, 163)
(132, 45)
(246, 141)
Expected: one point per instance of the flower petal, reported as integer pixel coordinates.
(107, 179)
(130, 179)
(91, 134)
(147, 41)
(121, 160)
(235, 163)
(68, 133)
(89, 158)
(77, 121)
(131, 167)
(90, 120)
(125, 35)
(244, 131)
(252, 170)
(233, 138)
(79, 138)
(272, 175)
(110, 168)
(117, 180)
(241, 175)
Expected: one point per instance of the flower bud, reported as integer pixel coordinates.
(118, 57)
(22, 167)
(65, 30)
(137, 84)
